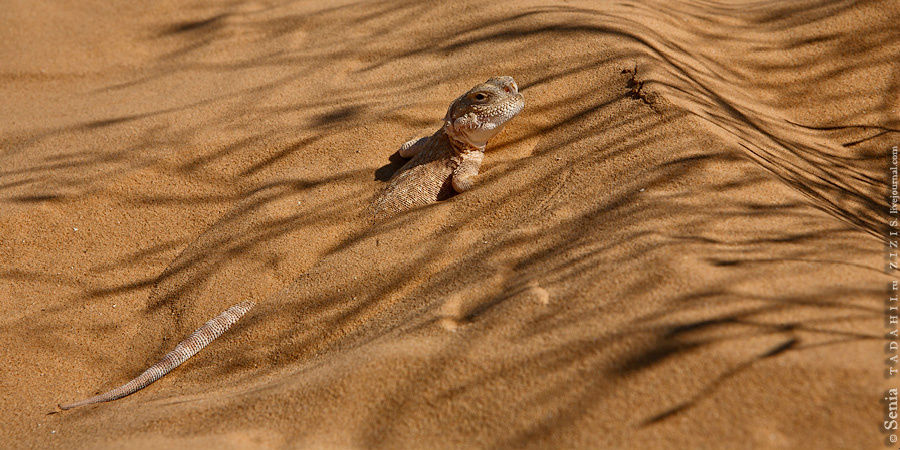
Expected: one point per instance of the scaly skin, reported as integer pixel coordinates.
(441, 164)
(184, 350)
(448, 161)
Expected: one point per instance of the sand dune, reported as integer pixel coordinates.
(680, 241)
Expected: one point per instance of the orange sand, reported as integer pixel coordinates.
(689, 256)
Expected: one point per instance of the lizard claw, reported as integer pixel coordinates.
(411, 147)
(462, 184)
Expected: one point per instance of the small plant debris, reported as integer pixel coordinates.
(636, 87)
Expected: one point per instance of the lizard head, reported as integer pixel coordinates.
(478, 115)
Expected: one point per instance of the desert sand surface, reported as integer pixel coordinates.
(679, 243)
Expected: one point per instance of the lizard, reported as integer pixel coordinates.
(440, 164)
(448, 160)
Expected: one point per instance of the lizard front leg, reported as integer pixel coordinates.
(412, 147)
(465, 172)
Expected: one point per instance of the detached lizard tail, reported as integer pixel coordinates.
(184, 350)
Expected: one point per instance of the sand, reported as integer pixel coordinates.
(679, 243)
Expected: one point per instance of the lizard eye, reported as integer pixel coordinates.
(479, 96)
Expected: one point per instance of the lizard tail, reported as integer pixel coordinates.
(184, 350)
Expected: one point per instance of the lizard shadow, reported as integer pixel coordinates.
(395, 162)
